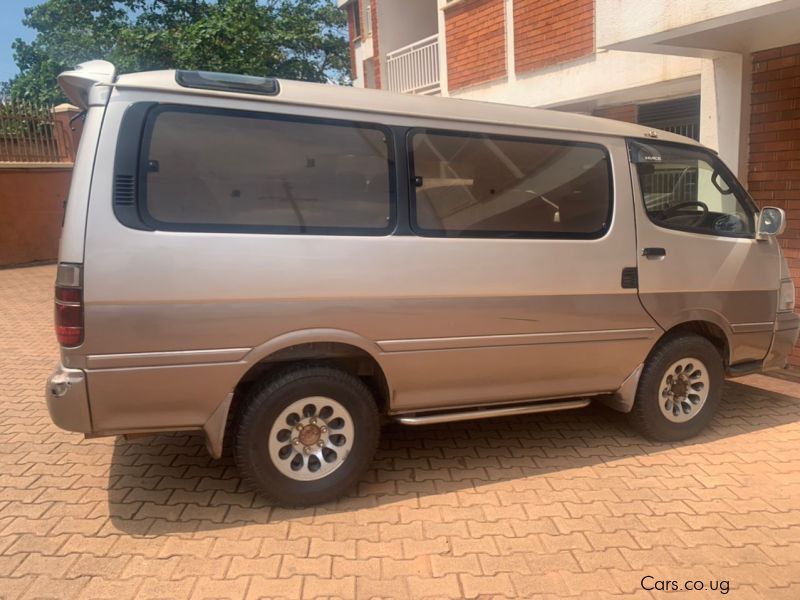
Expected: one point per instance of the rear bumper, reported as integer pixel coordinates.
(68, 400)
(787, 328)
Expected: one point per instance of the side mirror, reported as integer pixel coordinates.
(771, 223)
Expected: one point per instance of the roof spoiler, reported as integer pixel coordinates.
(77, 83)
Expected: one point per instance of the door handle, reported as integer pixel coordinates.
(654, 252)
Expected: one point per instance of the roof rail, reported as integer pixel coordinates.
(77, 83)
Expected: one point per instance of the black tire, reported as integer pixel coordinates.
(647, 416)
(265, 404)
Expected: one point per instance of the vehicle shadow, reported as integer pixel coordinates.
(169, 484)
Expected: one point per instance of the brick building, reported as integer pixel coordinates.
(725, 73)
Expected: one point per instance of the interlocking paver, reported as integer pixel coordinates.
(53, 587)
(434, 587)
(217, 588)
(571, 504)
(274, 587)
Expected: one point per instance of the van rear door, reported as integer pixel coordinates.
(88, 87)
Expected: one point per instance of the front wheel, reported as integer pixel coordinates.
(679, 390)
(307, 435)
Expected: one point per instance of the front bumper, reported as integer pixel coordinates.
(68, 400)
(787, 328)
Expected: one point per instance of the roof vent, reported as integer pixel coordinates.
(228, 82)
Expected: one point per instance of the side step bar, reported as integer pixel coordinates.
(488, 413)
(754, 366)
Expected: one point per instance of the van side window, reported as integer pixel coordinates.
(215, 170)
(691, 190)
(479, 185)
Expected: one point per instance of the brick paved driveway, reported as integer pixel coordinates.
(571, 504)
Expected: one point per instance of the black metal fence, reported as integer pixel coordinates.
(31, 133)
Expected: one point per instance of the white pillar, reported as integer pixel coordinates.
(443, 82)
(511, 65)
(725, 109)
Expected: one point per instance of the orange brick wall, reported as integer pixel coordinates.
(476, 42)
(31, 211)
(375, 43)
(547, 32)
(774, 172)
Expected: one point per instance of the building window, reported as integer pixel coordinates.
(225, 170)
(368, 19)
(681, 116)
(356, 8)
(479, 185)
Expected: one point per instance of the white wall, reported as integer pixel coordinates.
(622, 20)
(364, 50)
(402, 22)
(598, 75)
(725, 109)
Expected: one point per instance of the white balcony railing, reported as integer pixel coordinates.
(414, 68)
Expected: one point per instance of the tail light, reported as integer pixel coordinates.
(69, 305)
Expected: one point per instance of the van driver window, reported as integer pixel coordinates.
(478, 185)
(688, 190)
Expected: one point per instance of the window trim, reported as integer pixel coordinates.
(152, 223)
(713, 159)
(521, 235)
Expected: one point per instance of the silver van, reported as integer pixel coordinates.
(284, 266)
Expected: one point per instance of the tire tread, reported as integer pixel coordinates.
(642, 416)
(264, 390)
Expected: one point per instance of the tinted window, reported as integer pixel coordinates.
(229, 170)
(691, 190)
(480, 185)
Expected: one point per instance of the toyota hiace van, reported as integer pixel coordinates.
(284, 266)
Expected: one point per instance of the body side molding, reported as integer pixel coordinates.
(483, 341)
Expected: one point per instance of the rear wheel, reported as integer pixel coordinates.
(679, 390)
(307, 435)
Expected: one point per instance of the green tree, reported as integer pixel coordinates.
(295, 39)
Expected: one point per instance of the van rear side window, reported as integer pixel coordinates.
(478, 185)
(215, 170)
